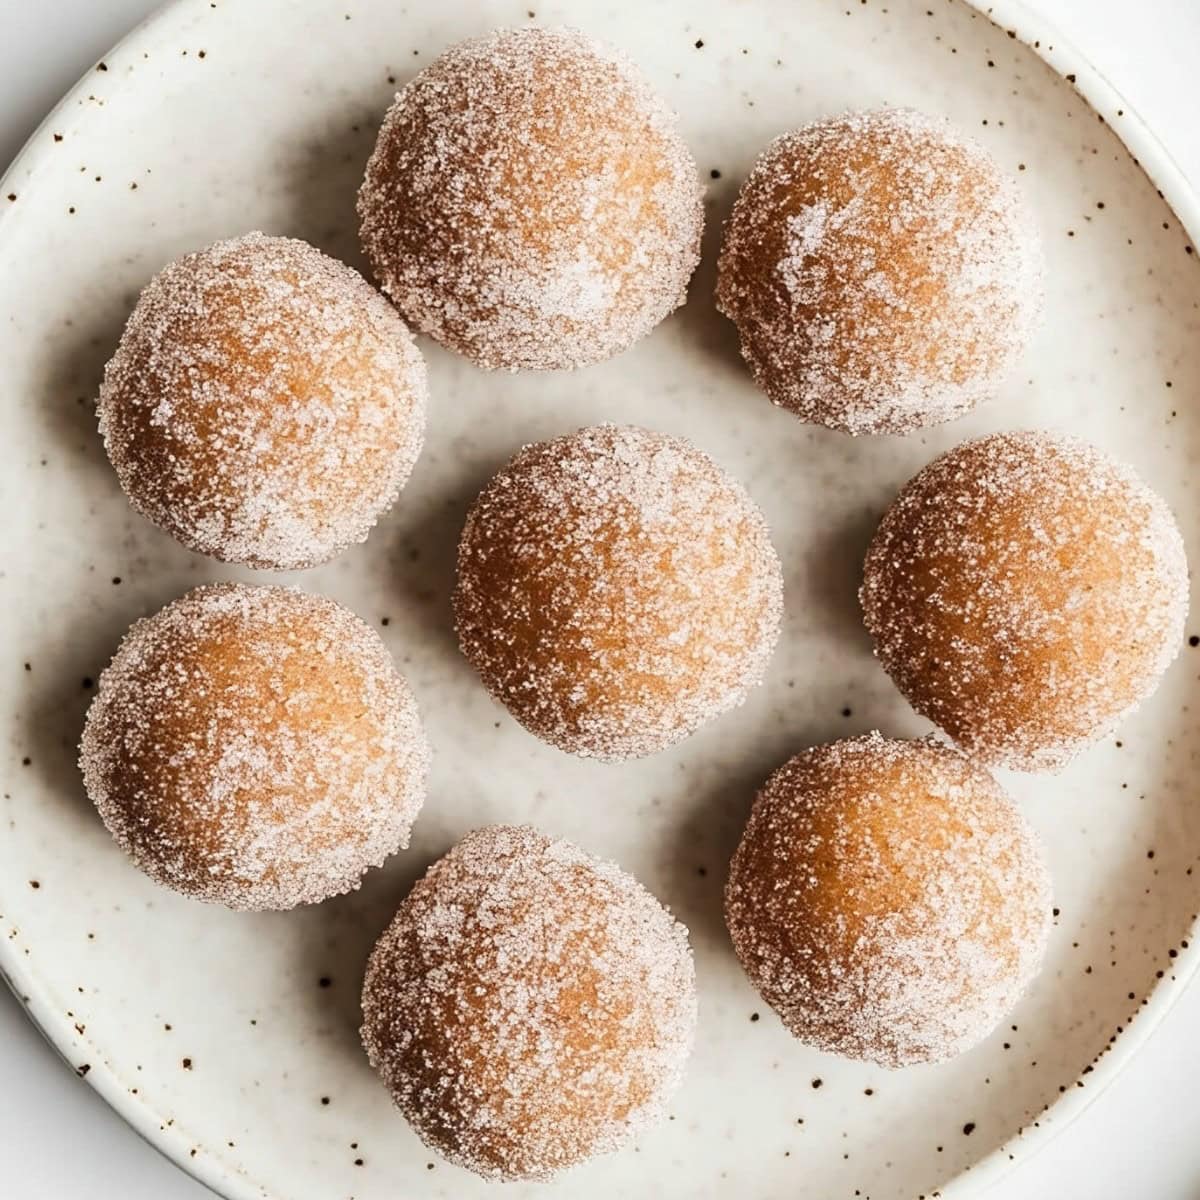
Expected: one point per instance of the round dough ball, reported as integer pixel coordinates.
(888, 900)
(530, 202)
(882, 272)
(1025, 592)
(255, 747)
(265, 403)
(529, 1006)
(616, 590)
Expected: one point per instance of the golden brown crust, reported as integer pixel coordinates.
(529, 1006)
(530, 202)
(888, 899)
(1025, 592)
(265, 404)
(882, 273)
(255, 747)
(616, 589)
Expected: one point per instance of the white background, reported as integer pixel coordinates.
(59, 1141)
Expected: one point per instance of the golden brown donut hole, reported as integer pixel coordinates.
(265, 403)
(881, 270)
(529, 1006)
(255, 747)
(616, 590)
(888, 900)
(1025, 591)
(530, 202)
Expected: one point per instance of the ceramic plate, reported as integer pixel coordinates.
(230, 1040)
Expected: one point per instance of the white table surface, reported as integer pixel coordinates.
(58, 1140)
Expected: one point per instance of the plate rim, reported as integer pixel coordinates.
(1042, 37)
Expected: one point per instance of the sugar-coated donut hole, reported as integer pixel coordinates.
(882, 271)
(616, 590)
(888, 900)
(530, 202)
(255, 747)
(265, 403)
(1025, 591)
(529, 1006)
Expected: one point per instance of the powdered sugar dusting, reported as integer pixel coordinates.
(265, 404)
(616, 590)
(888, 900)
(1026, 591)
(255, 747)
(529, 1006)
(882, 272)
(530, 202)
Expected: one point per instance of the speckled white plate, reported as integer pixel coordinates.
(230, 1040)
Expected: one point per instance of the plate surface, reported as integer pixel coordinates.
(230, 1040)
